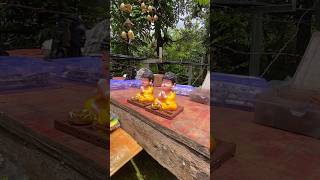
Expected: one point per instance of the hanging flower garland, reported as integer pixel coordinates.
(152, 17)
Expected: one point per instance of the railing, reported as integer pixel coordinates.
(190, 65)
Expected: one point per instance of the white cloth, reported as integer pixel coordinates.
(94, 38)
(206, 82)
(140, 72)
(46, 47)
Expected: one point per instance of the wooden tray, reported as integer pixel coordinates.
(165, 114)
(224, 151)
(89, 133)
(139, 104)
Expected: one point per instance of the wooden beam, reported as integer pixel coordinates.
(190, 76)
(276, 8)
(200, 149)
(33, 162)
(151, 61)
(317, 16)
(158, 61)
(182, 161)
(55, 150)
(256, 43)
(238, 2)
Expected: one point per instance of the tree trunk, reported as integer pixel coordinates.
(317, 15)
(211, 30)
(160, 40)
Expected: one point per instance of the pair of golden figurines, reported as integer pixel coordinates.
(166, 98)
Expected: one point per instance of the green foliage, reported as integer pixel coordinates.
(203, 2)
(28, 28)
(276, 34)
(144, 32)
(230, 32)
(148, 167)
(231, 42)
(188, 44)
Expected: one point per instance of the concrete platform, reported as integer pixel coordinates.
(264, 153)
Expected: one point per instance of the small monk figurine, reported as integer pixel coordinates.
(99, 104)
(166, 98)
(96, 109)
(146, 90)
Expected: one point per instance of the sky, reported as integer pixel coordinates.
(180, 24)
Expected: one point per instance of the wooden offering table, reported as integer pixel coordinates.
(223, 152)
(181, 145)
(28, 136)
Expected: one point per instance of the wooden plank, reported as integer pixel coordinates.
(190, 74)
(256, 43)
(191, 127)
(32, 115)
(122, 149)
(283, 8)
(151, 61)
(165, 114)
(33, 161)
(224, 151)
(139, 104)
(238, 2)
(56, 150)
(88, 133)
(179, 159)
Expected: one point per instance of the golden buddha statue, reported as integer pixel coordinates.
(166, 98)
(99, 104)
(96, 109)
(146, 90)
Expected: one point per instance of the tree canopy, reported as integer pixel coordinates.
(179, 44)
(26, 24)
(231, 39)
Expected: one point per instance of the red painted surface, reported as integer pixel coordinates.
(264, 152)
(193, 122)
(38, 109)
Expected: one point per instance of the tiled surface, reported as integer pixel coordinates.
(264, 153)
(193, 123)
(39, 108)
